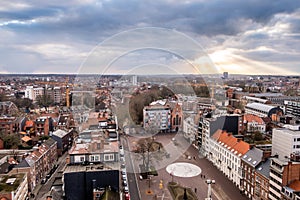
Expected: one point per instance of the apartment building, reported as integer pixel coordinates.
(44, 125)
(65, 122)
(38, 163)
(284, 178)
(55, 94)
(262, 177)
(253, 123)
(284, 142)
(95, 152)
(190, 128)
(64, 140)
(33, 92)
(11, 125)
(93, 162)
(226, 152)
(157, 116)
(8, 108)
(209, 124)
(13, 186)
(292, 108)
(249, 163)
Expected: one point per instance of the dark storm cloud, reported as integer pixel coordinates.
(82, 24)
(208, 17)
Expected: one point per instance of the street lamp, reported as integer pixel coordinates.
(209, 182)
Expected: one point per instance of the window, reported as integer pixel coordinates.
(108, 157)
(81, 159)
(92, 158)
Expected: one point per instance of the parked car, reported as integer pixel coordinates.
(44, 180)
(123, 172)
(127, 196)
(124, 183)
(48, 176)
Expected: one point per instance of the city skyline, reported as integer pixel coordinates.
(253, 37)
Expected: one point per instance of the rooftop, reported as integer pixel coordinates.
(9, 183)
(253, 118)
(260, 106)
(92, 167)
(231, 142)
(264, 168)
(60, 133)
(253, 157)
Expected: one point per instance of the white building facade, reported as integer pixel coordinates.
(285, 142)
(225, 153)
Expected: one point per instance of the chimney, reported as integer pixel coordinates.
(239, 139)
(68, 160)
(266, 154)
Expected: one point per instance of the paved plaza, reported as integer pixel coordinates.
(185, 167)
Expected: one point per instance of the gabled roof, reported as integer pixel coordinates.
(231, 142)
(264, 168)
(253, 118)
(253, 157)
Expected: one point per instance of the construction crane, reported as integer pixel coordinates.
(67, 92)
(66, 84)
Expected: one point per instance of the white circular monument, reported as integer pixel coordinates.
(182, 169)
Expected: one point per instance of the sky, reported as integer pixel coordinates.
(140, 36)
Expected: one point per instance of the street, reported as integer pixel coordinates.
(42, 189)
(131, 176)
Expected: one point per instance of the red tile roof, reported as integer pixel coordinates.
(231, 141)
(251, 118)
(29, 123)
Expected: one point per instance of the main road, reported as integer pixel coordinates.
(131, 173)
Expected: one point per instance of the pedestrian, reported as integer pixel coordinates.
(201, 175)
(196, 190)
(204, 176)
(194, 157)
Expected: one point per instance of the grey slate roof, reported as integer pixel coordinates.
(253, 157)
(23, 164)
(264, 168)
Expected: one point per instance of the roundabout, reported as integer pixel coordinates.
(182, 169)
